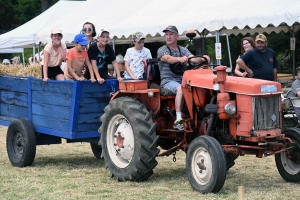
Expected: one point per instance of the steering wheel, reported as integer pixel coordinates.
(198, 64)
(179, 68)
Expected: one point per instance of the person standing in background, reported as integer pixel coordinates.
(247, 44)
(262, 60)
(121, 64)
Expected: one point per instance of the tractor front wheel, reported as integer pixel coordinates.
(128, 140)
(206, 165)
(289, 168)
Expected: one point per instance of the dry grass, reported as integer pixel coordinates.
(70, 171)
(30, 70)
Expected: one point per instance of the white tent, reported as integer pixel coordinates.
(122, 18)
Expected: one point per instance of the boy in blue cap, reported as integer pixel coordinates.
(76, 59)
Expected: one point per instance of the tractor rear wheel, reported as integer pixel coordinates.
(20, 143)
(128, 140)
(206, 165)
(289, 169)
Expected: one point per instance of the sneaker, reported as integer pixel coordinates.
(178, 125)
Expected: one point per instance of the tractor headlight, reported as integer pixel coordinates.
(230, 109)
(285, 104)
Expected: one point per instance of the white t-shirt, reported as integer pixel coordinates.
(135, 60)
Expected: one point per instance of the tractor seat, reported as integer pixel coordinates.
(153, 77)
(163, 91)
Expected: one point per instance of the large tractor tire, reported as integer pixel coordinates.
(21, 143)
(96, 149)
(289, 169)
(128, 140)
(206, 165)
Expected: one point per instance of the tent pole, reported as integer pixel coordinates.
(229, 54)
(113, 44)
(23, 57)
(33, 53)
(294, 67)
(218, 41)
(38, 51)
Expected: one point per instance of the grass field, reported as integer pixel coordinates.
(70, 171)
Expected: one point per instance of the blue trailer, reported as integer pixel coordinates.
(39, 113)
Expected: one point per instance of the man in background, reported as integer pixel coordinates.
(262, 60)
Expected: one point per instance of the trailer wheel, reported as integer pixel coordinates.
(20, 143)
(97, 150)
(129, 140)
(206, 165)
(289, 169)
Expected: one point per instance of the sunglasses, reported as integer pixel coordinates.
(87, 29)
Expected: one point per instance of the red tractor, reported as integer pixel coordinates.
(224, 117)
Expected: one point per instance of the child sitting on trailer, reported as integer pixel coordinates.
(76, 58)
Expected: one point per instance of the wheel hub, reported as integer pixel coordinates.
(202, 166)
(18, 145)
(124, 140)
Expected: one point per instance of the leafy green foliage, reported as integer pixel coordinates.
(14, 13)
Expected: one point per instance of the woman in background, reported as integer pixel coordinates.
(89, 30)
(247, 44)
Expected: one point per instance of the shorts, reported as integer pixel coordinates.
(52, 72)
(172, 86)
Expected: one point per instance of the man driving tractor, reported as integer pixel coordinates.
(168, 55)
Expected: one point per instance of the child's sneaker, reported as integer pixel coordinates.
(177, 125)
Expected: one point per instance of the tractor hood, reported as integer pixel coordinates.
(204, 78)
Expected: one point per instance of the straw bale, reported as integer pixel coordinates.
(20, 70)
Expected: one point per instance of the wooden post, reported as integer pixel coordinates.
(241, 193)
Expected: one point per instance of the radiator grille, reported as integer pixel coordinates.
(266, 112)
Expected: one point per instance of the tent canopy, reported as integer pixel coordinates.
(122, 18)
(12, 50)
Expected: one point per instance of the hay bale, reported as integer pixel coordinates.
(29, 70)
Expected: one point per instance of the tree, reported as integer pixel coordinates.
(46, 4)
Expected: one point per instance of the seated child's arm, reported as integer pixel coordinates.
(96, 72)
(66, 71)
(88, 63)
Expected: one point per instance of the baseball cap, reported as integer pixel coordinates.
(171, 28)
(102, 30)
(81, 39)
(55, 31)
(298, 69)
(261, 37)
(138, 36)
(15, 58)
(6, 61)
